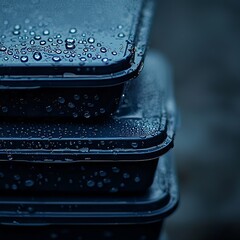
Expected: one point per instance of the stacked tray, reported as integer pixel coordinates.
(89, 217)
(46, 165)
(84, 137)
(110, 156)
(63, 66)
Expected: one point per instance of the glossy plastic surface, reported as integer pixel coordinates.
(110, 156)
(83, 38)
(143, 128)
(76, 63)
(153, 206)
(76, 232)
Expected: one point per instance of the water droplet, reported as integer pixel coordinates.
(102, 110)
(103, 49)
(85, 49)
(61, 100)
(16, 32)
(30, 209)
(71, 105)
(9, 52)
(46, 32)
(105, 60)
(87, 115)
(17, 27)
(114, 53)
(121, 35)
(58, 36)
(70, 41)
(137, 179)
(70, 46)
(119, 26)
(24, 59)
(29, 183)
(99, 44)
(37, 56)
(91, 40)
(126, 175)
(107, 180)
(43, 42)
(23, 52)
(102, 173)
(90, 183)
(75, 115)
(134, 144)
(84, 149)
(48, 109)
(114, 190)
(4, 109)
(76, 97)
(59, 41)
(3, 49)
(37, 37)
(115, 169)
(50, 39)
(58, 51)
(16, 177)
(32, 33)
(14, 187)
(27, 21)
(96, 97)
(83, 59)
(32, 42)
(56, 59)
(100, 184)
(73, 30)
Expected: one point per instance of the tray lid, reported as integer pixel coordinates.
(152, 206)
(84, 43)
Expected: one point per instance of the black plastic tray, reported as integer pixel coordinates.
(110, 156)
(85, 81)
(135, 217)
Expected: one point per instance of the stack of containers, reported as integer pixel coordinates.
(83, 147)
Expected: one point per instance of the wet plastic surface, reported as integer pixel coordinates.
(129, 232)
(91, 54)
(138, 216)
(111, 156)
(58, 103)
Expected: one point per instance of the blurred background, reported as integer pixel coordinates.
(201, 39)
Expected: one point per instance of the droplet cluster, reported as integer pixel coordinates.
(27, 44)
(110, 179)
(72, 102)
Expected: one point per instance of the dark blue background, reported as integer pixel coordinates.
(202, 41)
